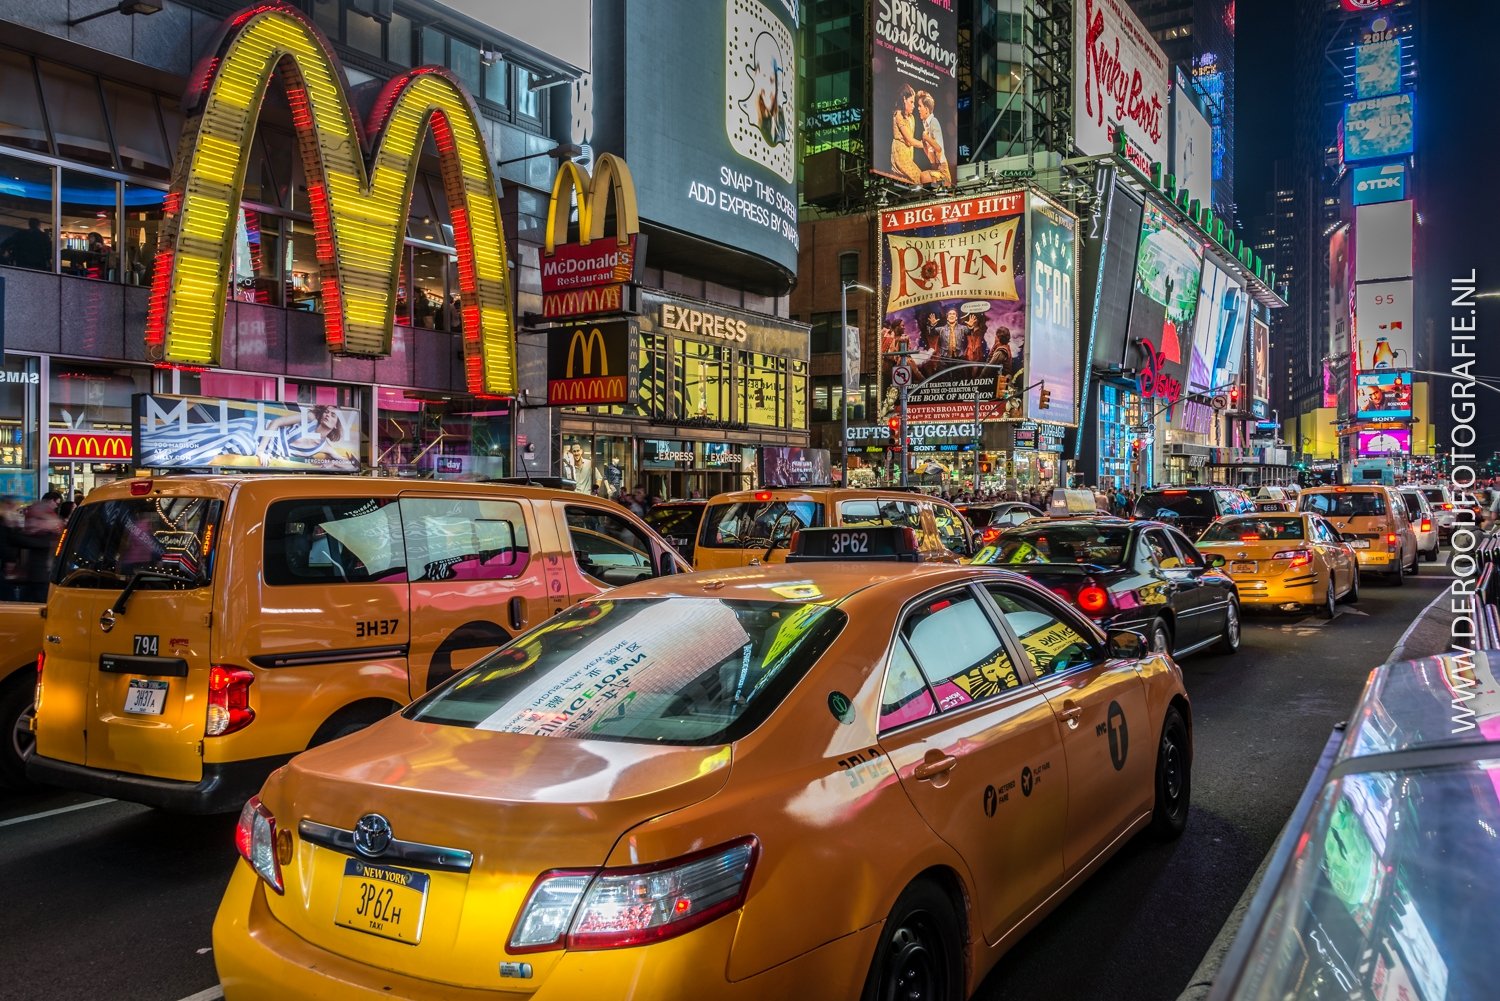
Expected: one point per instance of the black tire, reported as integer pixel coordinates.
(919, 955)
(1329, 608)
(1233, 628)
(1174, 777)
(1416, 563)
(1431, 555)
(17, 704)
(1398, 579)
(347, 721)
(1160, 637)
(1352, 597)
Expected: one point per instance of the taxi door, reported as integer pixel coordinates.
(1337, 555)
(1100, 704)
(979, 752)
(476, 578)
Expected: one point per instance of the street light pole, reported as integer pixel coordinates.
(844, 288)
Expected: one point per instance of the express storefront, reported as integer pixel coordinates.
(710, 386)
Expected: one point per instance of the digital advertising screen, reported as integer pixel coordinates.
(713, 146)
(1383, 241)
(1379, 127)
(199, 432)
(1053, 315)
(1377, 68)
(1109, 271)
(1168, 269)
(1192, 142)
(1339, 318)
(1396, 441)
(914, 90)
(1223, 307)
(1383, 396)
(1383, 325)
(1260, 366)
(1385, 183)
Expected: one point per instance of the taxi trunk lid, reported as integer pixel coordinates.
(516, 805)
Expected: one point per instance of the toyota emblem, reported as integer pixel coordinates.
(372, 835)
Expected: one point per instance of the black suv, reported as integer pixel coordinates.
(1192, 509)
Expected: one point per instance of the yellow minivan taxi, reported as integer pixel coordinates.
(755, 526)
(20, 642)
(201, 630)
(1372, 519)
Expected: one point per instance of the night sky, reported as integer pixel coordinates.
(1458, 159)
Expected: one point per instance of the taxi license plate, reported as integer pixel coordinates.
(382, 900)
(1360, 543)
(146, 698)
(1243, 567)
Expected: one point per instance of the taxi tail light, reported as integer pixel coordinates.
(617, 908)
(255, 838)
(228, 700)
(1296, 557)
(1390, 540)
(1447, 507)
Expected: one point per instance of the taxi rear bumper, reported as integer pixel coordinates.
(259, 957)
(1301, 589)
(223, 788)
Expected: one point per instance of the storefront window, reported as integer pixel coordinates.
(22, 123)
(19, 400)
(703, 377)
(25, 214)
(762, 390)
(256, 256)
(77, 115)
(580, 463)
(799, 394)
(304, 286)
(143, 212)
(429, 305)
(433, 437)
(89, 423)
(137, 129)
(88, 226)
(616, 465)
(228, 385)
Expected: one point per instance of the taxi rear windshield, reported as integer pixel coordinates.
(694, 671)
(167, 541)
(1062, 544)
(1253, 530)
(747, 524)
(1350, 505)
(1167, 506)
(675, 519)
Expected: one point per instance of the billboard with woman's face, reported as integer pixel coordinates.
(914, 87)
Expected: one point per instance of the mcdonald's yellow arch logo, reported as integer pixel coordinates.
(587, 343)
(611, 180)
(358, 192)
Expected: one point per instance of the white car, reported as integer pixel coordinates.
(1440, 499)
(1419, 512)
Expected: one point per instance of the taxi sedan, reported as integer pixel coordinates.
(1284, 560)
(854, 771)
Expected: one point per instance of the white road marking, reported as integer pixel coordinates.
(53, 813)
(211, 994)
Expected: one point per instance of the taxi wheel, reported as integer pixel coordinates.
(1416, 563)
(1230, 641)
(918, 955)
(1329, 608)
(1174, 777)
(1352, 595)
(1398, 578)
(17, 704)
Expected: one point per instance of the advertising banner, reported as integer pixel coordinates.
(1396, 441)
(851, 362)
(1120, 82)
(1383, 322)
(1377, 68)
(1223, 307)
(1378, 128)
(1338, 291)
(199, 432)
(914, 90)
(953, 289)
(1373, 185)
(1192, 142)
(1330, 385)
(794, 467)
(1052, 331)
(1383, 241)
(589, 364)
(1168, 270)
(1260, 367)
(1109, 270)
(1383, 396)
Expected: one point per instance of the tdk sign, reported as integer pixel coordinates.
(1379, 184)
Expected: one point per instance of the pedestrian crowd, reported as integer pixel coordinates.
(28, 542)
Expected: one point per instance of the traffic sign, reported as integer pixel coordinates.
(900, 376)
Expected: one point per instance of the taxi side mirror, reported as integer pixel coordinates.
(665, 565)
(1214, 560)
(1127, 644)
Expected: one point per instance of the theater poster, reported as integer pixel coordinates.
(914, 87)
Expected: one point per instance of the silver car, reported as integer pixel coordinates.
(1423, 524)
(1440, 499)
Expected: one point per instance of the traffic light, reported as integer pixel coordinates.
(1044, 398)
(895, 425)
(1234, 397)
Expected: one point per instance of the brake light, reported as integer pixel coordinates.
(614, 908)
(1093, 599)
(763, 495)
(255, 838)
(140, 488)
(41, 662)
(228, 700)
(1426, 524)
(1173, 493)
(1447, 507)
(1296, 557)
(1390, 540)
(989, 536)
(1250, 537)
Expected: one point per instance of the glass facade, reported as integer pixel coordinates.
(1124, 457)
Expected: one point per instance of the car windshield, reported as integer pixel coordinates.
(1365, 504)
(645, 670)
(1433, 493)
(746, 524)
(675, 519)
(1253, 530)
(1102, 545)
(1169, 505)
(108, 543)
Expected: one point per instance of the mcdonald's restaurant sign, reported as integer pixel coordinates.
(589, 363)
(101, 446)
(589, 277)
(359, 184)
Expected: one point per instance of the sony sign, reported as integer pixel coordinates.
(1386, 183)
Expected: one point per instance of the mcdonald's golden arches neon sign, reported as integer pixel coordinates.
(359, 184)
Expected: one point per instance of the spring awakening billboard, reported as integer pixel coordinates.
(1052, 331)
(953, 287)
(914, 90)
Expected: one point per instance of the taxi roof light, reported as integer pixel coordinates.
(861, 543)
(584, 910)
(255, 838)
(763, 495)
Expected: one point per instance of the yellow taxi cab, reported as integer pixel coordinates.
(21, 642)
(855, 773)
(201, 630)
(1372, 519)
(755, 526)
(1284, 560)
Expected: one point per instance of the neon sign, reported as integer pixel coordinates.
(359, 184)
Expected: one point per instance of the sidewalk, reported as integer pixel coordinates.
(1428, 634)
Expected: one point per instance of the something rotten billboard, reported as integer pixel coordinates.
(1120, 83)
(914, 86)
(953, 289)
